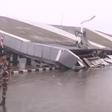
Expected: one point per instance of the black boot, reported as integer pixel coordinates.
(3, 101)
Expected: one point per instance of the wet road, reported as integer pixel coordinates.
(66, 91)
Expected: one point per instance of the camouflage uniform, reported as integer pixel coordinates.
(4, 86)
(4, 76)
(4, 73)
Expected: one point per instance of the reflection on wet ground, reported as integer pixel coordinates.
(61, 91)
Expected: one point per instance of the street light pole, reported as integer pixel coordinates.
(85, 22)
(83, 33)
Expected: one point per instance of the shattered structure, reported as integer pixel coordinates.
(53, 45)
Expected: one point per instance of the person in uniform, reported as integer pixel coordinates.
(4, 71)
(4, 78)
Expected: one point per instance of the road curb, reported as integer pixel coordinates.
(33, 70)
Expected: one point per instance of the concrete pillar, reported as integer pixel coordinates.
(15, 59)
(9, 58)
(28, 61)
(34, 63)
(22, 63)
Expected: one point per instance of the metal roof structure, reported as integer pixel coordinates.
(48, 42)
(39, 33)
(41, 41)
(97, 39)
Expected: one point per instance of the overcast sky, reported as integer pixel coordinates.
(61, 12)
